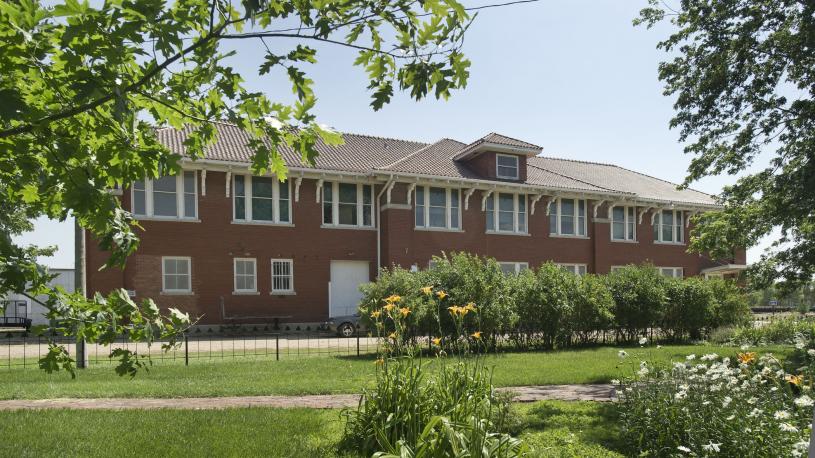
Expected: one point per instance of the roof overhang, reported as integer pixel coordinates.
(724, 269)
(484, 146)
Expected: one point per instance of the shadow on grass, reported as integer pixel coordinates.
(593, 423)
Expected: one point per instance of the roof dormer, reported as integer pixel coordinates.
(499, 157)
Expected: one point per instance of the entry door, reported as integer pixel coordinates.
(346, 276)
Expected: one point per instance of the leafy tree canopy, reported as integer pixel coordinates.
(83, 86)
(743, 76)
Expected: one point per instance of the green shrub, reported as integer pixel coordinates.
(472, 279)
(716, 407)
(639, 297)
(544, 301)
(732, 307)
(592, 308)
(688, 308)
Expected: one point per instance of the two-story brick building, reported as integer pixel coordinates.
(236, 248)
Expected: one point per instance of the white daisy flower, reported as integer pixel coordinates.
(711, 447)
(682, 448)
(788, 428)
(643, 341)
(804, 401)
(781, 415)
(690, 357)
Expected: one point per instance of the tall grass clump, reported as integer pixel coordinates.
(714, 406)
(415, 412)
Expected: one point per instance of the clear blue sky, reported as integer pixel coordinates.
(573, 76)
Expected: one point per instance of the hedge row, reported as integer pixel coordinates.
(550, 307)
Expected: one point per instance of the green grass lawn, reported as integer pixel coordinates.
(554, 429)
(329, 374)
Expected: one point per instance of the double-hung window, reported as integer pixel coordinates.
(348, 204)
(245, 275)
(170, 197)
(282, 276)
(673, 272)
(506, 212)
(669, 227)
(577, 269)
(623, 223)
(176, 274)
(506, 166)
(437, 208)
(567, 217)
(515, 268)
(261, 199)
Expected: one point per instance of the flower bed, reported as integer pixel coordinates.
(714, 406)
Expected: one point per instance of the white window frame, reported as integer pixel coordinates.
(448, 208)
(247, 202)
(574, 266)
(517, 167)
(677, 229)
(164, 288)
(629, 222)
(557, 230)
(235, 275)
(291, 277)
(179, 199)
(515, 214)
(613, 268)
(517, 266)
(335, 205)
(674, 272)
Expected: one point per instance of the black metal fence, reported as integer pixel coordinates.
(21, 350)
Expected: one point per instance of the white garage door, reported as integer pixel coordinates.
(346, 276)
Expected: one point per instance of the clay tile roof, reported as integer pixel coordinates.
(359, 153)
(620, 179)
(367, 154)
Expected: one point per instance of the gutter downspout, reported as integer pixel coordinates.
(389, 183)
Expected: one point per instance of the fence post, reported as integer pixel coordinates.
(186, 350)
(81, 354)
(357, 341)
(277, 347)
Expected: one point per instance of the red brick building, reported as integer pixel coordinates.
(233, 248)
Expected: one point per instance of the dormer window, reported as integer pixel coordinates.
(506, 166)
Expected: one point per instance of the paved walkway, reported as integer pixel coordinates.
(329, 401)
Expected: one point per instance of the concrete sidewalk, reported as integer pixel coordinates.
(598, 392)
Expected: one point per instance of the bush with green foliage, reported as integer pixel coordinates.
(548, 307)
(544, 299)
(688, 308)
(592, 308)
(639, 299)
(732, 307)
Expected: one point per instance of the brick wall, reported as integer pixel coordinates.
(213, 242)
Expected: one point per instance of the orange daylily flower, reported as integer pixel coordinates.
(453, 309)
(442, 295)
(476, 335)
(389, 307)
(427, 290)
(747, 358)
(436, 341)
(392, 336)
(404, 311)
(376, 313)
(470, 306)
(794, 379)
(393, 298)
